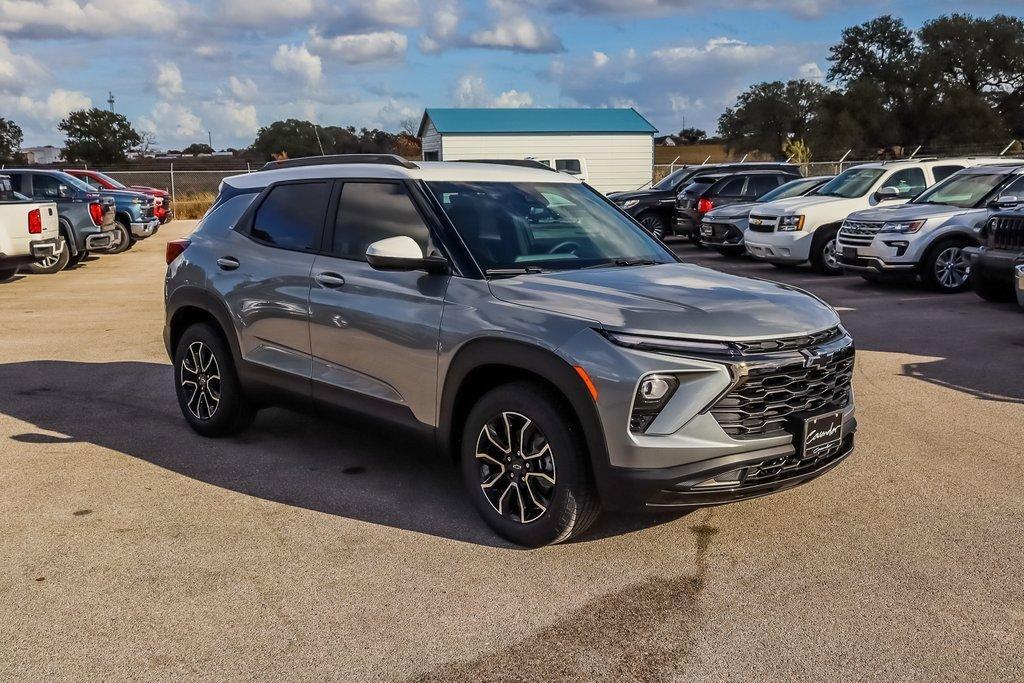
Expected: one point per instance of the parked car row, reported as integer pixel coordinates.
(51, 219)
(952, 223)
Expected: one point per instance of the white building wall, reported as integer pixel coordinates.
(431, 140)
(614, 162)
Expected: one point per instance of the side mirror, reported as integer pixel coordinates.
(402, 253)
(1005, 201)
(887, 193)
(63, 191)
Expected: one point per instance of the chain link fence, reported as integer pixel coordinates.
(192, 192)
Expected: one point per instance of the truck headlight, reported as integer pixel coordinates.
(790, 224)
(902, 227)
(629, 203)
(652, 394)
(136, 200)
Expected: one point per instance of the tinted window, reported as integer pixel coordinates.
(1014, 189)
(943, 172)
(760, 184)
(292, 215)
(6, 191)
(17, 182)
(369, 212)
(910, 182)
(225, 215)
(730, 188)
(569, 166)
(45, 186)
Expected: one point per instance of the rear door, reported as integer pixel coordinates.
(262, 271)
(374, 333)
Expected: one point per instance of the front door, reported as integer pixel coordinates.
(374, 333)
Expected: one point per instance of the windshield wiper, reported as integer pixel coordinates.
(622, 263)
(512, 272)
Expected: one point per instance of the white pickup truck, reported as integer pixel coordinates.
(28, 230)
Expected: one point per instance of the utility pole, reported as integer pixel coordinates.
(209, 137)
(110, 100)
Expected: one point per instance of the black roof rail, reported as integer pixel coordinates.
(524, 163)
(331, 159)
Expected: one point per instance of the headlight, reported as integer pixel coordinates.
(671, 345)
(629, 203)
(790, 224)
(902, 227)
(136, 201)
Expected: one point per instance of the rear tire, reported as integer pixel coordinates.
(7, 274)
(945, 268)
(77, 258)
(530, 482)
(206, 382)
(52, 264)
(653, 223)
(990, 290)
(824, 257)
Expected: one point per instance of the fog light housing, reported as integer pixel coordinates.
(652, 394)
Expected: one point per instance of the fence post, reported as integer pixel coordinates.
(1007, 148)
(247, 168)
(174, 199)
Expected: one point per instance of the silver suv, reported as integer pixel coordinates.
(563, 357)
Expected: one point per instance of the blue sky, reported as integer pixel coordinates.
(180, 68)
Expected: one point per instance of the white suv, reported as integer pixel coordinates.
(792, 231)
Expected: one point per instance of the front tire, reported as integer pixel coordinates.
(824, 252)
(654, 224)
(209, 393)
(52, 264)
(990, 290)
(523, 463)
(946, 268)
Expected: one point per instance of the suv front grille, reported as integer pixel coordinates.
(1006, 232)
(858, 234)
(766, 398)
(761, 223)
(789, 343)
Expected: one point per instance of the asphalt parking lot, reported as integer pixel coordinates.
(311, 549)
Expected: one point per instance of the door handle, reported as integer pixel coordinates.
(330, 280)
(227, 263)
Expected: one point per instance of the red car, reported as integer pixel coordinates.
(162, 210)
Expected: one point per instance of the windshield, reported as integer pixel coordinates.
(853, 183)
(114, 183)
(673, 178)
(74, 182)
(530, 227)
(794, 188)
(964, 191)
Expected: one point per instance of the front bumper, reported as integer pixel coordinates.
(721, 234)
(780, 247)
(880, 253)
(145, 229)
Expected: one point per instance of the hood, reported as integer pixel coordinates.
(673, 299)
(731, 211)
(126, 195)
(907, 212)
(638, 194)
(148, 190)
(792, 205)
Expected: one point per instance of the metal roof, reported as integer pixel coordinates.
(483, 121)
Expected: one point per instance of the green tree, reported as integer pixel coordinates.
(10, 140)
(97, 136)
(767, 115)
(295, 138)
(198, 148)
(693, 135)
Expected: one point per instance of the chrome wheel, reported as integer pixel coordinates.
(952, 268)
(52, 260)
(830, 257)
(200, 380)
(516, 467)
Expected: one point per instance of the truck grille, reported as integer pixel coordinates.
(767, 397)
(857, 234)
(761, 223)
(1006, 232)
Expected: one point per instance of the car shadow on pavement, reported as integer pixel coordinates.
(350, 468)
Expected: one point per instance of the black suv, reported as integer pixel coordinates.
(655, 208)
(712, 191)
(1002, 250)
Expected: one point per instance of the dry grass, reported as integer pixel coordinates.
(193, 204)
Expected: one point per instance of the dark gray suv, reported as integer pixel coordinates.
(567, 360)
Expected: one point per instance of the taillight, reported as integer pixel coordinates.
(96, 213)
(704, 205)
(35, 222)
(175, 249)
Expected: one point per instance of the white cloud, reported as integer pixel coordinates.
(260, 13)
(801, 8)
(88, 18)
(17, 72)
(361, 48)
(442, 28)
(472, 91)
(174, 124)
(811, 72)
(243, 89)
(516, 32)
(168, 80)
(298, 61)
(230, 120)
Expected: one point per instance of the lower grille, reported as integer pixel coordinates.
(1006, 232)
(766, 398)
(767, 471)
